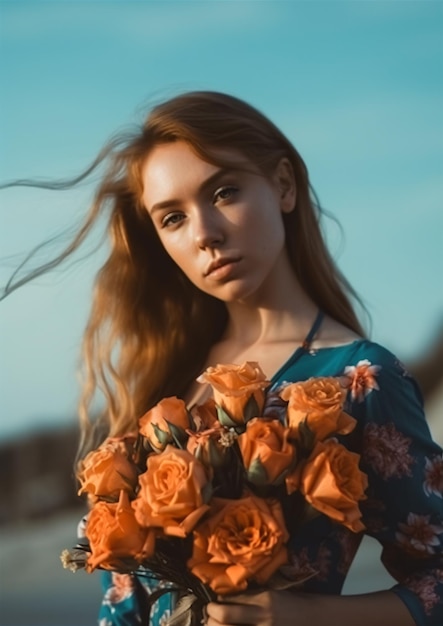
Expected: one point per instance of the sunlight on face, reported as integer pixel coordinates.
(222, 226)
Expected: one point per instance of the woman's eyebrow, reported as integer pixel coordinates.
(209, 182)
(165, 204)
(214, 178)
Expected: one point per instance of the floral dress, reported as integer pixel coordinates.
(404, 505)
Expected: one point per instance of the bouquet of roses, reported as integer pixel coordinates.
(203, 498)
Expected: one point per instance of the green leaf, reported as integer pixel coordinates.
(257, 473)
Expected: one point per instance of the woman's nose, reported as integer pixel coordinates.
(209, 231)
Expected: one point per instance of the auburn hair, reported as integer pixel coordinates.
(150, 329)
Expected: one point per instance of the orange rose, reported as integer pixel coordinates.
(173, 492)
(242, 540)
(114, 535)
(104, 472)
(238, 390)
(205, 415)
(207, 446)
(266, 452)
(332, 483)
(166, 423)
(319, 401)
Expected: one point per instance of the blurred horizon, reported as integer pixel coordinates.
(357, 87)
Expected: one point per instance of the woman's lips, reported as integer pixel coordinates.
(221, 268)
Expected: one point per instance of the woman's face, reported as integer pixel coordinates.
(223, 228)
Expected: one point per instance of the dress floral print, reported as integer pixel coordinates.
(404, 505)
(121, 589)
(433, 482)
(386, 450)
(361, 379)
(124, 601)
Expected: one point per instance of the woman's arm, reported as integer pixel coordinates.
(403, 512)
(277, 608)
(404, 507)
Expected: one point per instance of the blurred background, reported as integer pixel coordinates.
(356, 85)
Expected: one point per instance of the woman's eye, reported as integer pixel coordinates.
(225, 193)
(171, 219)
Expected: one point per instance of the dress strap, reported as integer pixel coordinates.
(314, 329)
(302, 349)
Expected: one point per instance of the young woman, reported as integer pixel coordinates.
(217, 257)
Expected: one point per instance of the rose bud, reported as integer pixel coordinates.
(115, 537)
(239, 391)
(166, 423)
(104, 472)
(267, 453)
(332, 483)
(207, 446)
(315, 407)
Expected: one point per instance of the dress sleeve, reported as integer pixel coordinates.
(125, 600)
(404, 508)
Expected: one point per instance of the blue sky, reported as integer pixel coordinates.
(356, 85)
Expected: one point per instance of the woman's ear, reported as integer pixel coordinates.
(284, 180)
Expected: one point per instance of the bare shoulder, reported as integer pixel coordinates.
(333, 333)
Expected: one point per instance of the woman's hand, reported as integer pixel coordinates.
(281, 608)
(265, 608)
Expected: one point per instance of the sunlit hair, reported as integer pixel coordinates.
(150, 329)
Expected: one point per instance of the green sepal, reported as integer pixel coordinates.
(281, 478)
(192, 425)
(178, 435)
(162, 435)
(108, 499)
(224, 418)
(307, 436)
(147, 445)
(257, 473)
(207, 492)
(251, 409)
(215, 455)
(126, 479)
(198, 454)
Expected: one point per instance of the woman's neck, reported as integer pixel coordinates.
(283, 313)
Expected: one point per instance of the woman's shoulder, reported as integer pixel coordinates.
(364, 356)
(366, 349)
(374, 374)
(346, 344)
(370, 354)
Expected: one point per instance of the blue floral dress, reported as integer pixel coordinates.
(404, 507)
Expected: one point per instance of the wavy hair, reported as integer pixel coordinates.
(150, 329)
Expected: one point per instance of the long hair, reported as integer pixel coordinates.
(150, 329)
